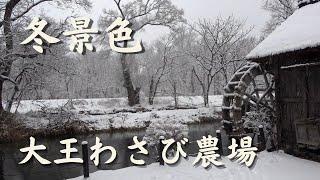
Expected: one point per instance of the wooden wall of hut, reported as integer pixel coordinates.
(297, 96)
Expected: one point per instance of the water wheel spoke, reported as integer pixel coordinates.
(250, 86)
(270, 88)
(259, 103)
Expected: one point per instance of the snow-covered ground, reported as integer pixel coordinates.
(269, 166)
(112, 103)
(104, 114)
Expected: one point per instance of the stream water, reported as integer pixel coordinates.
(10, 155)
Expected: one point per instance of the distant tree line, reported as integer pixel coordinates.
(195, 58)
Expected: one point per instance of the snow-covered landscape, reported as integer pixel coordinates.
(114, 113)
(275, 166)
(84, 80)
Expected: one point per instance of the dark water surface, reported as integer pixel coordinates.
(10, 155)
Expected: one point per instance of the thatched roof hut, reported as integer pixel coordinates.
(292, 54)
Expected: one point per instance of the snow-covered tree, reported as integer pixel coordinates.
(280, 10)
(211, 51)
(13, 14)
(141, 13)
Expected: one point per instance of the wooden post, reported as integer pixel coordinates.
(218, 133)
(85, 158)
(278, 103)
(262, 139)
(2, 165)
(161, 161)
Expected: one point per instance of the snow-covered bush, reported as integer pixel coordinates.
(263, 117)
(254, 119)
(57, 116)
(168, 128)
(61, 120)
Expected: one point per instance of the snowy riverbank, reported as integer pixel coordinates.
(113, 113)
(55, 117)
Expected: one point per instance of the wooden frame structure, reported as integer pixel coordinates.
(296, 78)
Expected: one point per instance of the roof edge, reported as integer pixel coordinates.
(302, 54)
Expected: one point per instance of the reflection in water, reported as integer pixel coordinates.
(10, 170)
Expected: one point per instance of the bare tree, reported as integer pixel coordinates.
(213, 44)
(280, 11)
(176, 79)
(141, 13)
(13, 11)
(179, 78)
(161, 62)
(236, 56)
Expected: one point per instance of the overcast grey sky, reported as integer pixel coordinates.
(249, 10)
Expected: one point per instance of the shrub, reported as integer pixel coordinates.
(168, 128)
(263, 117)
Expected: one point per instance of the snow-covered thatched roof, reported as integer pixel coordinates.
(300, 31)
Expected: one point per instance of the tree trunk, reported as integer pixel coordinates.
(151, 92)
(192, 83)
(1, 87)
(133, 93)
(6, 66)
(205, 97)
(175, 95)
(225, 76)
(11, 100)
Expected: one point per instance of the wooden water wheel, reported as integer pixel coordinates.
(250, 87)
